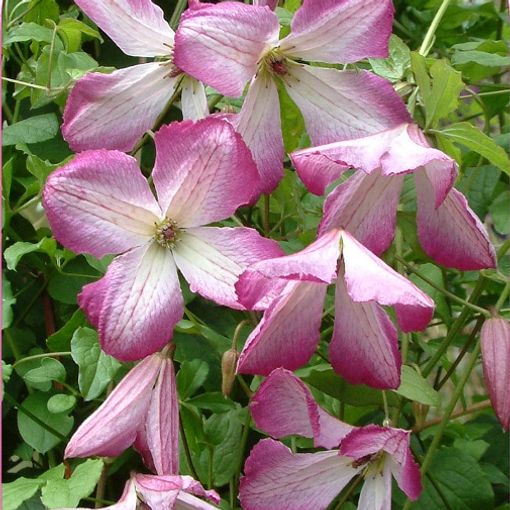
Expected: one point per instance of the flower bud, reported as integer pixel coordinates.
(495, 342)
(228, 370)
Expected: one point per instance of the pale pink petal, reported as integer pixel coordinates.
(289, 331)
(211, 259)
(376, 491)
(276, 478)
(365, 206)
(284, 406)
(158, 500)
(189, 502)
(368, 278)
(340, 105)
(112, 111)
(495, 337)
(259, 124)
(141, 446)
(340, 31)
(128, 500)
(221, 44)
(137, 27)
(193, 99)
(364, 346)
(112, 427)
(142, 304)
(162, 423)
(270, 3)
(203, 171)
(452, 234)
(100, 203)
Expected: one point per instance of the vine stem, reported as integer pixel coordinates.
(429, 36)
(43, 355)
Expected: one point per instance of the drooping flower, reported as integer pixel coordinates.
(112, 111)
(495, 343)
(366, 203)
(364, 345)
(228, 44)
(100, 203)
(278, 479)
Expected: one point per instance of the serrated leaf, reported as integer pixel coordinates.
(96, 368)
(190, 377)
(15, 493)
(471, 137)
(416, 388)
(31, 130)
(394, 66)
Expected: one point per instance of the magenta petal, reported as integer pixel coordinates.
(203, 172)
(364, 346)
(142, 304)
(366, 206)
(452, 234)
(368, 278)
(221, 44)
(112, 427)
(91, 298)
(100, 203)
(211, 259)
(284, 406)
(289, 331)
(340, 105)
(333, 31)
(259, 124)
(136, 26)
(495, 337)
(112, 111)
(276, 478)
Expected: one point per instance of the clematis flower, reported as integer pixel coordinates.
(112, 111)
(364, 345)
(495, 343)
(229, 44)
(278, 479)
(100, 203)
(366, 203)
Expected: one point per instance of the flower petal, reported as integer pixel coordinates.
(284, 406)
(137, 27)
(222, 44)
(203, 171)
(289, 331)
(142, 304)
(495, 338)
(366, 206)
(452, 234)
(112, 427)
(364, 346)
(340, 105)
(259, 124)
(276, 478)
(368, 278)
(211, 259)
(189, 502)
(112, 111)
(333, 31)
(376, 491)
(193, 99)
(100, 203)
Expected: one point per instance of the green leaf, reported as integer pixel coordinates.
(471, 137)
(8, 300)
(461, 481)
(15, 493)
(395, 65)
(50, 370)
(190, 377)
(499, 212)
(480, 57)
(213, 401)
(14, 253)
(38, 437)
(61, 339)
(39, 168)
(41, 10)
(68, 493)
(6, 371)
(416, 388)
(96, 368)
(28, 32)
(32, 130)
(293, 124)
(61, 403)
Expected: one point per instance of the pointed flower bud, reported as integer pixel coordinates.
(228, 370)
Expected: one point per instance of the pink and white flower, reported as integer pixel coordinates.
(228, 44)
(364, 346)
(112, 111)
(366, 203)
(278, 479)
(100, 203)
(495, 343)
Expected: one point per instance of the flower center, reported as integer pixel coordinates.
(275, 62)
(167, 233)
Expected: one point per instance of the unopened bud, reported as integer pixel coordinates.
(228, 370)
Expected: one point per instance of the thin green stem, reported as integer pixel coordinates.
(503, 297)
(187, 452)
(265, 215)
(39, 356)
(387, 420)
(488, 93)
(50, 59)
(179, 9)
(25, 83)
(426, 45)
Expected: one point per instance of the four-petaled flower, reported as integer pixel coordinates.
(100, 203)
